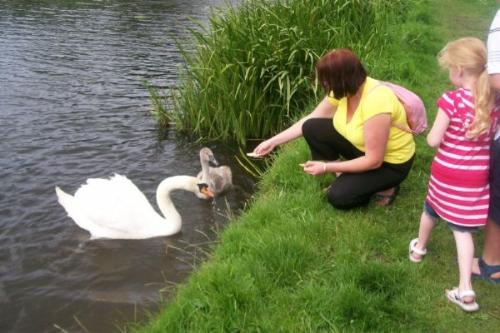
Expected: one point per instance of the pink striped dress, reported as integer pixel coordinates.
(458, 186)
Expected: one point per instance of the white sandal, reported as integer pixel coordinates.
(457, 297)
(413, 249)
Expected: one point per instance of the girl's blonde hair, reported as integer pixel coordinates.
(470, 55)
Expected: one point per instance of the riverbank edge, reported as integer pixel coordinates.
(292, 263)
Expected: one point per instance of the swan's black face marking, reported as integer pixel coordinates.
(212, 161)
(203, 187)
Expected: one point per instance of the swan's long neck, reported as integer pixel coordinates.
(165, 204)
(205, 170)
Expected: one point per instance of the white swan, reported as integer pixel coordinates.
(116, 208)
(219, 179)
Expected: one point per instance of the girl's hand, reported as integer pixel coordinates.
(314, 168)
(263, 148)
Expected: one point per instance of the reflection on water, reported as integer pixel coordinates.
(73, 106)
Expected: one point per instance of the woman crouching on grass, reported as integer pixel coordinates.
(354, 122)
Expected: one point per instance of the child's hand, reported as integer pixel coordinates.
(314, 168)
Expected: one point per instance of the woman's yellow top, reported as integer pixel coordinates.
(400, 145)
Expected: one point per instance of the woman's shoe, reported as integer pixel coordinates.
(386, 199)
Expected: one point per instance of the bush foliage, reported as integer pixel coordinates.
(251, 71)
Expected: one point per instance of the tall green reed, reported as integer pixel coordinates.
(158, 105)
(251, 71)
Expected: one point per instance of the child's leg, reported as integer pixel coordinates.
(424, 232)
(465, 252)
(427, 222)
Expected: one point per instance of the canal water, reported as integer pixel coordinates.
(73, 106)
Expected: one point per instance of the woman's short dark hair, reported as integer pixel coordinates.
(340, 71)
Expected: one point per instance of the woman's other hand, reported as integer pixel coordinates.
(314, 168)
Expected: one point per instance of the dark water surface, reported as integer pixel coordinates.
(73, 106)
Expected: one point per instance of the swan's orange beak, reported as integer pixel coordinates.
(207, 192)
(204, 189)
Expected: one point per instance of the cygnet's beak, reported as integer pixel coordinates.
(213, 161)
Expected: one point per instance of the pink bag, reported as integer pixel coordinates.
(413, 105)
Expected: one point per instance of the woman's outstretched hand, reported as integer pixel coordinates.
(314, 168)
(262, 149)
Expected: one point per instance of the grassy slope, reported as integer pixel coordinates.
(292, 263)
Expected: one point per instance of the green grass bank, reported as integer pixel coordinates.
(292, 263)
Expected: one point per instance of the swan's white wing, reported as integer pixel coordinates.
(72, 208)
(115, 204)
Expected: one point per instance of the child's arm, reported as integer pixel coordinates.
(438, 129)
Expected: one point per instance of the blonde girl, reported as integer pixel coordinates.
(458, 190)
